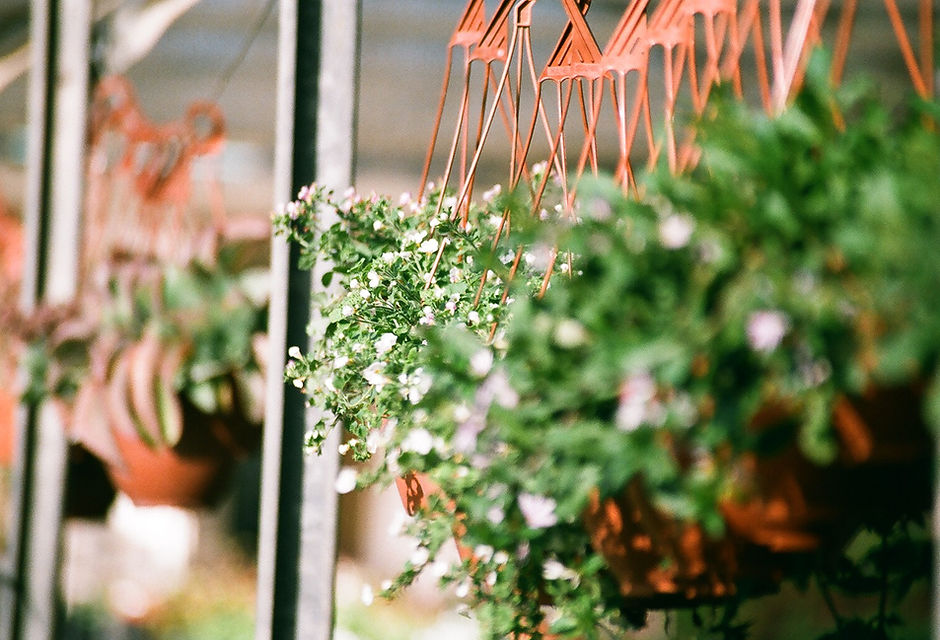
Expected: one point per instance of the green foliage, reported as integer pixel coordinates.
(192, 330)
(794, 265)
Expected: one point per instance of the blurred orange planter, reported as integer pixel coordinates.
(194, 473)
(8, 404)
(793, 506)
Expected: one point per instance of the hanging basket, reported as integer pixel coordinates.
(792, 507)
(801, 506)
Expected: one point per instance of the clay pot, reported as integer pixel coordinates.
(796, 505)
(791, 506)
(8, 404)
(193, 473)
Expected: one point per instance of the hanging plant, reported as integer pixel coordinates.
(684, 414)
(159, 371)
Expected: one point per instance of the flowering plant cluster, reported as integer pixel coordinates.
(392, 272)
(792, 266)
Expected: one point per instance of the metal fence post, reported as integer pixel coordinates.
(317, 60)
(60, 33)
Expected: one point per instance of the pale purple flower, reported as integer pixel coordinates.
(468, 431)
(765, 330)
(497, 388)
(427, 319)
(495, 514)
(638, 403)
(538, 511)
(675, 231)
(492, 192)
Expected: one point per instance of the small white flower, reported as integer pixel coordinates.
(415, 236)
(570, 333)
(438, 568)
(481, 362)
(366, 294)
(343, 448)
(374, 375)
(500, 557)
(340, 361)
(348, 310)
(554, 570)
(463, 589)
(354, 283)
(367, 596)
(455, 274)
(461, 412)
(419, 557)
(389, 257)
(404, 199)
(377, 225)
(492, 192)
(473, 317)
(765, 330)
(483, 552)
(294, 352)
(538, 511)
(299, 382)
(675, 230)
(419, 441)
(374, 279)
(346, 480)
(385, 343)
(386, 585)
(429, 246)
(491, 578)
(451, 306)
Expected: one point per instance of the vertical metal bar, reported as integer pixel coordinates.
(58, 107)
(297, 544)
(40, 34)
(279, 524)
(336, 87)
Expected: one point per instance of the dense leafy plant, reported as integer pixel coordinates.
(393, 271)
(791, 267)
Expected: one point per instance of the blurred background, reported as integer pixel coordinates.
(164, 572)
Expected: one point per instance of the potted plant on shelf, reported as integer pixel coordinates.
(690, 408)
(158, 370)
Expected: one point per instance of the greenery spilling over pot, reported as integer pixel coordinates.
(793, 269)
(147, 346)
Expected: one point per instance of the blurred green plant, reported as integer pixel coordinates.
(144, 337)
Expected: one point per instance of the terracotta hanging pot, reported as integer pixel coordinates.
(800, 506)
(792, 507)
(8, 404)
(192, 474)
